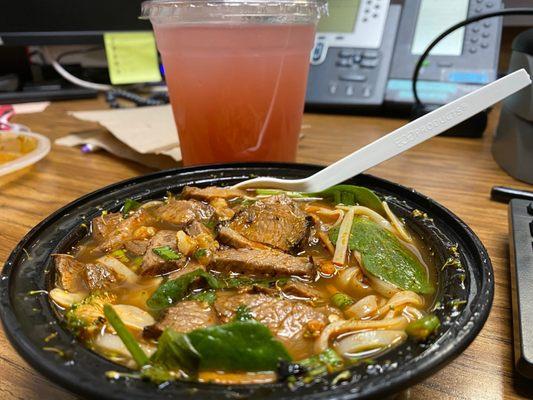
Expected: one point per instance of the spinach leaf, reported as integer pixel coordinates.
(129, 205)
(349, 195)
(238, 346)
(209, 296)
(166, 253)
(176, 289)
(384, 256)
(175, 352)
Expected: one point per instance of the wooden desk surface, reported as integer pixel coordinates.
(458, 173)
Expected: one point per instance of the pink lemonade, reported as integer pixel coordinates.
(237, 89)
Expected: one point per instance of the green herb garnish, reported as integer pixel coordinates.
(129, 205)
(208, 296)
(120, 255)
(127, 338)
(200, 253)
(326, 362)
(243, 314)
(385, 257)
(341, 301)
(423, 327)
(176, 289)
(167, 254)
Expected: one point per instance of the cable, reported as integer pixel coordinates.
(60, 57)
(500, 13)
(73, 79)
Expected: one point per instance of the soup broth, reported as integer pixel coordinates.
(229, 286)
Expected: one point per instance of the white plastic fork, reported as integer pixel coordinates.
(401, 139)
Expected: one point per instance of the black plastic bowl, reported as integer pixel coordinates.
(464, 297)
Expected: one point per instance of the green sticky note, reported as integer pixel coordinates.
(131, 57)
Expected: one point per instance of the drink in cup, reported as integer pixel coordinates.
(236, 73)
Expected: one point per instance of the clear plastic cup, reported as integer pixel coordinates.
(236, 73)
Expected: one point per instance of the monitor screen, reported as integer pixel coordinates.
(31, 22)
(434, 17)
(341, 18)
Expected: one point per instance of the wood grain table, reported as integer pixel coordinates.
(456, 172)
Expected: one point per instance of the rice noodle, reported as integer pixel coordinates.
(341, 247)
(336, 328)
(412, 313)
(398, 225)
(365, 307)
(370, 342)
(403, 298)
(371, 214)
(350, 280)
(385, 289)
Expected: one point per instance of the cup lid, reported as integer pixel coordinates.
(229, 10)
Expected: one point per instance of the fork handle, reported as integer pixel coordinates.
(418, 131)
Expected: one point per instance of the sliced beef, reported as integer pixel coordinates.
(301, 290)
(155, 265)
(137, 247)
(99, 277)
(287, 319)
(234, 239)
(187, 316)
(211, 192)
(275, 221)
(124, 230)
(182, 212)
(196, 228)
(189, 267)
(104, 225)
(69, 273)
(261, 262)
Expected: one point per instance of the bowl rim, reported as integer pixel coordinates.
(424, 368)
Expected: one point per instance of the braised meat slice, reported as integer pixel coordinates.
(187, 316)
(99, 277)
(69, 273)
(137, 247)
(124, 230)
(196, 228)
(154, 264)
(104, 225)
(211, 192)
(182, 212)
(261, 262)
(234, 239)
(301, 290)
(288, 320)
(275, 221)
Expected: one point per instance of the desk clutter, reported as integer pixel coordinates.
(145, 135)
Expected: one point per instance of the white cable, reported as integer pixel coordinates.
(73, 79)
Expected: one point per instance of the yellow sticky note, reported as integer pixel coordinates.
(131, 57)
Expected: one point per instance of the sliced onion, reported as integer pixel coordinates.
(372, 341)
(113, 345)
(337, 328)
(385, 289)
(397, 302)
(412, 313)
(123, 272)
(133, 317)
(66, 299)
(341, 247)
(398, 225)
(364, 308)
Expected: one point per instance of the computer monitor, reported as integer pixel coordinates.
(63, 22)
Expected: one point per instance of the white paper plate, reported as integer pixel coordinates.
(42, 149)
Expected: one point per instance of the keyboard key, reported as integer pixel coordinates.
(369, 63)
(370, 54)
(344, 62)
(346, 53)
(531, 228)
(352, 77)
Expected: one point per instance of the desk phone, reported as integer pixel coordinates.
(365, 53)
